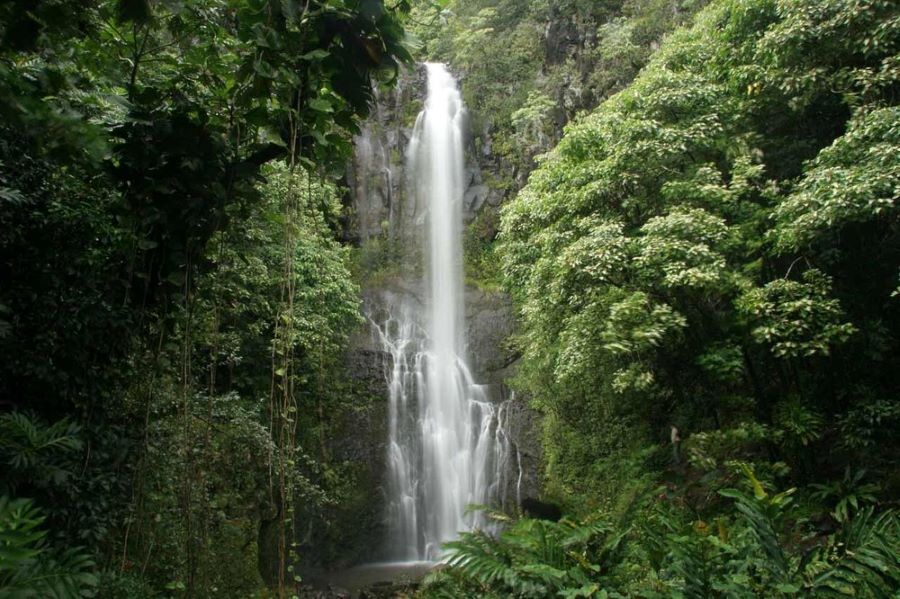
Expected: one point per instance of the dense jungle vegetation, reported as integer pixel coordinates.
(700, 234)
(174, 296)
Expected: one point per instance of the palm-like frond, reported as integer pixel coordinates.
(534, 558)
(19, 532)
(24, 438)
(864, 558)
(28, 569)
(861, 560)
(35, 452)
(479, 557)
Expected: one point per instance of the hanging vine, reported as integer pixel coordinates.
(283, 398)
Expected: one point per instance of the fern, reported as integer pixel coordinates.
(531, 558)
(19, 532)
(480, 557)
(36, 453)
(745, 554)
(863, 558)
(28, 568)
(763, 514)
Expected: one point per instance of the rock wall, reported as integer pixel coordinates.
(378, 177)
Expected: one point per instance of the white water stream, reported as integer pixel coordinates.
(448, 446)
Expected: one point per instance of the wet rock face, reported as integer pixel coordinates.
(364, 426)
(524, 429)
(352, 530)
(378, 176)
(367, 365)
(489, 322)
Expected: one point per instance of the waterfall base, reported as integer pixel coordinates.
(377, 580)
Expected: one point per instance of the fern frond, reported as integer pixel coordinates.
(492, 514)
(865, 558)
(583, 533)
(24, 440)
(479, 556)
(530, 559)
(28, 568)
(760, 512)
(19, 532)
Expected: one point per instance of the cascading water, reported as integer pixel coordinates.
(448, 447)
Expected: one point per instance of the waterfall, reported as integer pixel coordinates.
(447, 445)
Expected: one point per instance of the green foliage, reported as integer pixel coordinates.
(853, 181)
(220, 421)
(679, 249)
(714, 248)
(846, 493)
(145, 243)
(34, 453)
(531, 558)
(481, 264)
(532, 121)
(225, 497)
(28, 568)
(797, 318)
(758, 545)
(731, 448)
(868, 424)
(327, 304)
(762, 547)
(862, 558)
(797, 424)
